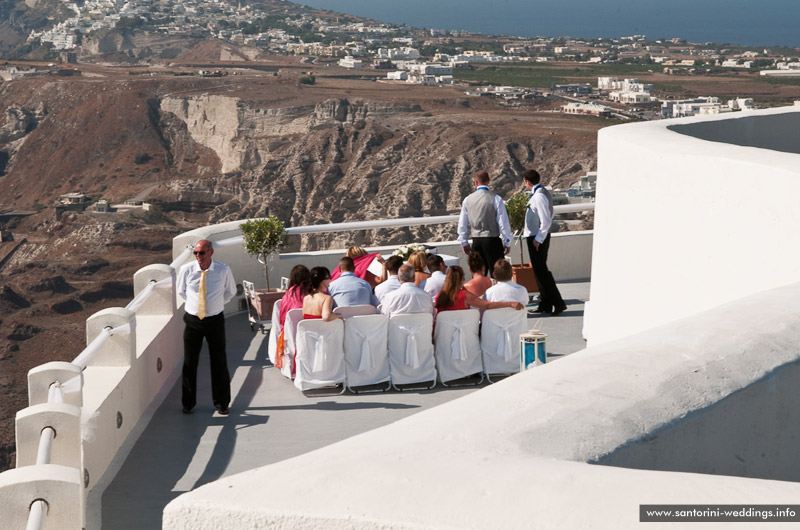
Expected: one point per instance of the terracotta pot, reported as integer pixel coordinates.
(265, 299)
(523, 275)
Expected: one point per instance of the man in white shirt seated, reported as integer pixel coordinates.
(391, 283)
(438, 272)
(505, 290)
(348, 289)
(408, 298)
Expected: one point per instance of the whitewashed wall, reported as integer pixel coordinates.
(684, 224)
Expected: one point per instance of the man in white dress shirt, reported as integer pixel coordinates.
(206, 285)
(408, 298)
(391, 283)
(484, 219)
(505, 290)
(538, 220)
(438, 273)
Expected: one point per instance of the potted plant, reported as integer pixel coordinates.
(517, 207)
(262, 237)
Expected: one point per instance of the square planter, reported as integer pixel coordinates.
(265, 299)
(523, 275)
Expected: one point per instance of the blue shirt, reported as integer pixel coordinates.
(348, 289)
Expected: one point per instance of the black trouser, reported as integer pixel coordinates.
(213, 330)
(549, 297)
(491, 249)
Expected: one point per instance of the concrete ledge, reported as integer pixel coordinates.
(515, 454)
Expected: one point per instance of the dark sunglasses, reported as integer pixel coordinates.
(199, 252)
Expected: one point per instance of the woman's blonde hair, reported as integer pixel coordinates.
(355, 252)
(418, 261)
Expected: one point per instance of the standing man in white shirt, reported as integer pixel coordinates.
(484, 219)
(391, 283)
(505, 290)
(438, 272)
(538, 220)
(408, 298)
(206, 285)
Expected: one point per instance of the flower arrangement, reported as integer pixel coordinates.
(406, 250)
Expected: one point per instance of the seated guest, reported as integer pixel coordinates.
(453, 296)
(362, 260)
(438, 269)
(419, 262)
(348, 289)
(408, 298)
(392, 283)
(299, 287)
(505, 290)
(319, 304)
(479, 282)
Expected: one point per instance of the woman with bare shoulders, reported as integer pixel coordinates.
(479, 282)
(418, 260)
(319, 304)
(453, 296)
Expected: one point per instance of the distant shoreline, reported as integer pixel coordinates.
(769, 24)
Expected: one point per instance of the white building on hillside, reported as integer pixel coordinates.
(350, 62)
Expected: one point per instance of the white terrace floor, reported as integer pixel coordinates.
(270, 421)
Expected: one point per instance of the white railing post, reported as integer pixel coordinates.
(119, 349)
(161, 301)
(22, 489)
(41, 377)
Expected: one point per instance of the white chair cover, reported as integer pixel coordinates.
(410, 349)
(320, 354)
(293, 316)
(366, 349)
(353, 310)
(500, 331)
(274, 331)
(457, 346)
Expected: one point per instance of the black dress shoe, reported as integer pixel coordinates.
(188, 411)
(223, 411)
(542, 310)
(559, 310)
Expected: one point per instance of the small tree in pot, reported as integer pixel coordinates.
(262, 237)
(517, 207)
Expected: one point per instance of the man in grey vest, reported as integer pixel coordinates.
(484, 219)
(538, 220)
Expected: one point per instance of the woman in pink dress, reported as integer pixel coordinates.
(299, 287)
(318, 303)
(453, 296)
(479, 282)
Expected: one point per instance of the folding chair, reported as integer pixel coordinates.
(353, 310)
(500, 331)
(457, 346)
(366, 351)
(320, 355)
(411, 350)
(293, 317)
(275, 331)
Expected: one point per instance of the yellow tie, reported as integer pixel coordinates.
(201, 300)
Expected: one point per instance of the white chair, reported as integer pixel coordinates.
(353, 310)
(293, 317)
(366, 350)
(275, 331)
(411, 358)
(500, 331)
(457, 346)
(320, 355)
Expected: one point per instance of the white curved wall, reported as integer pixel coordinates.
(514, 454)
(684, 224)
